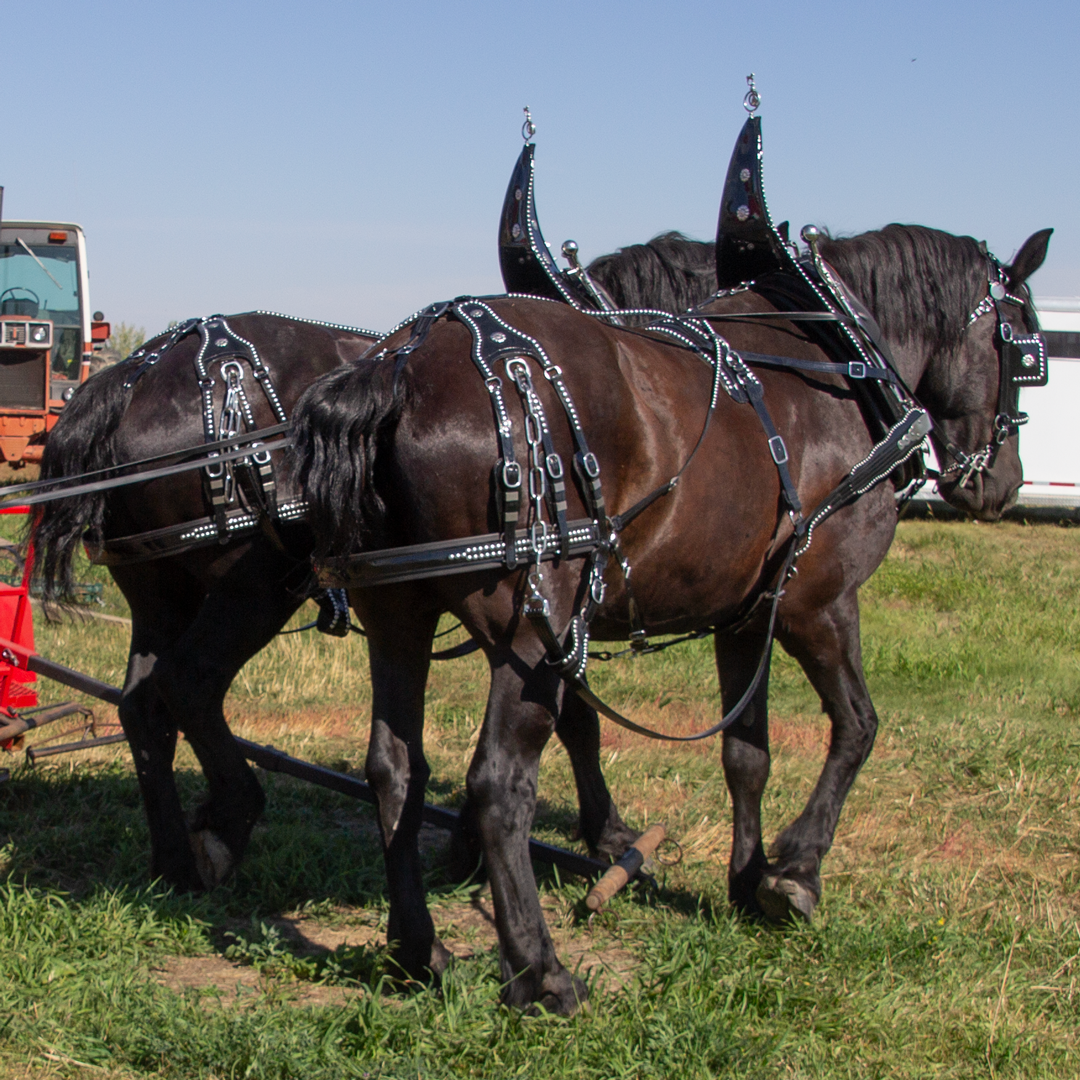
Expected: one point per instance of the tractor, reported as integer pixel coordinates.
(47, 336)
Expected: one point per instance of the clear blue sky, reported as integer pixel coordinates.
(347, 161)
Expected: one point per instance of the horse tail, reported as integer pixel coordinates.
(339, 427)
(81, 442)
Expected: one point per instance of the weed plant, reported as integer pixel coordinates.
(947, 942)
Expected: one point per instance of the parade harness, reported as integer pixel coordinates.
(243, 495)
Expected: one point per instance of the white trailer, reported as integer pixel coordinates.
(1049, 447)
(1049, 442)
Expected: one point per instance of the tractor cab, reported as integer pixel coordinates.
(47, 336)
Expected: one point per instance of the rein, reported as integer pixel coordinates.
(47, 490)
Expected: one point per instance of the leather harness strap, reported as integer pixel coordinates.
(40, 491)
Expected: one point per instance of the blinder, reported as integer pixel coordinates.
(1022, 358)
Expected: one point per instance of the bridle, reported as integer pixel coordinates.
(1022, 361)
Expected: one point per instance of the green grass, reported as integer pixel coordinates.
(947, 942)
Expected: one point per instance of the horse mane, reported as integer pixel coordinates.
(671, 272)
(920, 283)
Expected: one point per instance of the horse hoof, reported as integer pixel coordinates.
(213, 859)
(558, 992)
(416, 969)
(614, 841)
(784, 900)
(567, 996)
(441, 958)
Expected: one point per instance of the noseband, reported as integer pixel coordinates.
(1022, 361)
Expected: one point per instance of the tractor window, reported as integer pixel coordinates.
(45, 287)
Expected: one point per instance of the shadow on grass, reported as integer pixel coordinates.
(78, 828)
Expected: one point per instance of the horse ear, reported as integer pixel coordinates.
(1029, 258)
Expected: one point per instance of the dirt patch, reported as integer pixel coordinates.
(466, 928)
(208, 972)
(800, 734)
(673, 718)
(223, 982)
(962, 845)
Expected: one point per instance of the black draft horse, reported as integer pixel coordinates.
(400, 452)
(198, 614)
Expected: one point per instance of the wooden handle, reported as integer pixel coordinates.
(619, 874)
(12, 730)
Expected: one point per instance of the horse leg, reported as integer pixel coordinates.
(238, 618)
(400, 632)
(158, 616)
(745, 755)
(826, 644)
(599, 822)
(521, 711)
(601, 827)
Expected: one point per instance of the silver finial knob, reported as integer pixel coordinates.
(528, 129)
(570, 253)
(752, 101)
(811, 234)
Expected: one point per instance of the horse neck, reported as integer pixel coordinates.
(920, 284)
(914, 360)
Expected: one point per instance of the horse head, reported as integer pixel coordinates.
(958, 322)
(977, 418)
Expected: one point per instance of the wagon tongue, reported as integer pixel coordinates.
(748, 245)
